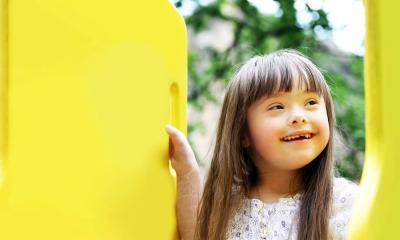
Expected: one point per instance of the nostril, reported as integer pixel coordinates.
(298, 119)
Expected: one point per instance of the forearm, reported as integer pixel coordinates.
(189, 190)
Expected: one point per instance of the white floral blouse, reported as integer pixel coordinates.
(258, 220)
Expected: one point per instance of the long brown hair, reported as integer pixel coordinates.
(232, 172)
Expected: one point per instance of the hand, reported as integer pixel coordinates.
(189, 182)
(181, 154)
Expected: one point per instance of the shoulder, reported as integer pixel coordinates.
(344, 194)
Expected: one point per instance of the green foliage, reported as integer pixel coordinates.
(255, 33)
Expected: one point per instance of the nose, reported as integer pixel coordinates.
(297, 117)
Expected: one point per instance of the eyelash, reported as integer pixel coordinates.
(311, 100)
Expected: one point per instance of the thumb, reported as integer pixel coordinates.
(180, 153)
(177, 137)
(180, 144)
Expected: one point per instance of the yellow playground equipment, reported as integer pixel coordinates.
(87, 88)
(377, 209)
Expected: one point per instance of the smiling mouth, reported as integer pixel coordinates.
(298, 138)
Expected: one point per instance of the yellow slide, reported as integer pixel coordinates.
(377, 210)
(86, 89)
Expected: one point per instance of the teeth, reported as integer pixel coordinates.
(307, 135)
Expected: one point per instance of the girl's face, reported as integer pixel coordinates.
(287, 130)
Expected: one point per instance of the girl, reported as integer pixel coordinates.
(271, 174)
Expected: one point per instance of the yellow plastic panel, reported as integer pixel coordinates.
(377, 210)
(87, 89)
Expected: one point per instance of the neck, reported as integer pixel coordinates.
(276, 184)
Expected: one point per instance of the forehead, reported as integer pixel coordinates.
(298, 86)
(293, 92)
(265, 77)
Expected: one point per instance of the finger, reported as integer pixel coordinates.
(179, 142)
(171, 149)
(176, 136)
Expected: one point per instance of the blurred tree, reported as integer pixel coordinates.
(257, 33)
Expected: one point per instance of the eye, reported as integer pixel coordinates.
(276, 107)
(312, 102)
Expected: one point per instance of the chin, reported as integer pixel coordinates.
(299, 163)
(290, 166)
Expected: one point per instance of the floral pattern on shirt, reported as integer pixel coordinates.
(272, 221)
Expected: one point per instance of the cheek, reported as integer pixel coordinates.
(265, 135)
(324, 131)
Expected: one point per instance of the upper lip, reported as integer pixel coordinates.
(297, 133)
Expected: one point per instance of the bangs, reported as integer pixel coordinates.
(280, 72)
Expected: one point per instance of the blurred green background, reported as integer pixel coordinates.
(225, 33)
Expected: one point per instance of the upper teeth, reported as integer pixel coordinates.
(307, 135)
